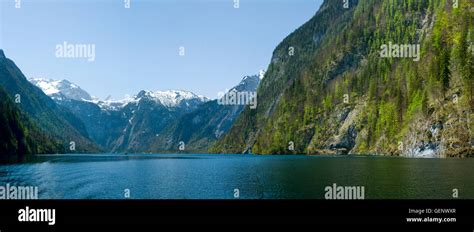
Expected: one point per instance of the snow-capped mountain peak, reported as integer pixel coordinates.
(168, 98)
(248, 84)
(111, 104)
(60, 89)
(63, 89)
(171, 98)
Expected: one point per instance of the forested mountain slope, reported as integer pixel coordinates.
(18, 135)
(350, 80)
(52, 118)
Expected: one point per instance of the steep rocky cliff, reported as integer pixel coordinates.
(378, 77)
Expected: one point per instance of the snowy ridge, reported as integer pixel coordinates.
(248, 83)
(60, 89)
(169, 98)
(48, 86)
(114, 104)
(63, 89)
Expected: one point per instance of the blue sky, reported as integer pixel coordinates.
(138, 48)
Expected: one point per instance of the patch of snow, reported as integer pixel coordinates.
(48, 86)
(115, 105)
(261, 74)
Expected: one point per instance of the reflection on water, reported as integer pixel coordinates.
(256, 177)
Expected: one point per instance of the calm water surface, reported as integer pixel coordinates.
(256, 177)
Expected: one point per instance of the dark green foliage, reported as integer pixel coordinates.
(18, 134)
(445, 72)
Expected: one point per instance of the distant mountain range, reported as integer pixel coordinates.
(150, 121)
(57, 116)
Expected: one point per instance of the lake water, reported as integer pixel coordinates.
(255, 177)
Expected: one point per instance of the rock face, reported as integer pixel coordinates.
(447, 133)
(2, 54)
(338, 94)
(345, 138)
